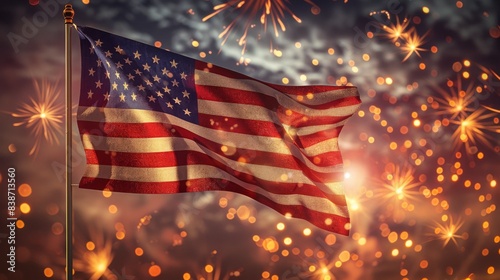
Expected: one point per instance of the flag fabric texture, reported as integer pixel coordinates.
(153, 121)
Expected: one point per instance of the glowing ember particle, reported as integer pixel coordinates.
(154, 270)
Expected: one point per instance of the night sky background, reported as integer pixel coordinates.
(422, 155)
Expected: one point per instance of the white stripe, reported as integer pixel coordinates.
(239, 140)
(212, 79)
(191, 172)
(307, 130)
(322, 147)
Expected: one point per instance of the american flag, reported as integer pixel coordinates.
(153, 121)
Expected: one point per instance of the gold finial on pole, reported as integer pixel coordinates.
(68, 14)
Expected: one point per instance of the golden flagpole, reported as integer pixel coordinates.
(68, 14)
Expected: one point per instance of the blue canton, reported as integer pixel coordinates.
(122, 73)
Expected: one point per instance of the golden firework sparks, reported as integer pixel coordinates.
(492, 109)
(399, 184)
(270, 12)
(476, 128)
(95, 259)
(398, 31)
(385, 12)
(455, 102)
(43, 115)
(412, 44)
(447, 232)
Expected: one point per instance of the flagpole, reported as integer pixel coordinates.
(68, 14)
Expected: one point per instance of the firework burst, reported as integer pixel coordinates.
(479, 127)
(455, 102)
(397, 31)
(399, 184)
(95, 259)
(412, 44)
(404, 37)
(271, 12)
(448, 232)
(42, 115)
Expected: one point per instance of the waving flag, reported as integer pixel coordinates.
(153, 121)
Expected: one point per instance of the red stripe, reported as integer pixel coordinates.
(155, 129)
(295, 119)
(303, 90)
(297, 211)
(230, 95)
(327, 159)
(125, 130)
(252, 127)
(311, 139)
(263, 128)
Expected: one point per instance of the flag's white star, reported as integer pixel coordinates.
(149, 83)
(91, 72)
(177, 101)
(98, 84)
(99, 63)
(146, 67)
(118, 49)
(106, 96)
(117, 74)
(183, 75)
(138, 72)
(91, 50)
(125, 86)
(156, 78)
(119, 65)
(164, 71)
(173, 63)
(175, 83)
(134, 96)
(166, 89)
(115, 86)
(131, 77)
(137, 55)
(122, 97)
(107, 74)
(141, 87)
(90, 93)
(187, 112)
(185, 93)
(108, 54)
(152, 98)
(155, 59)
(98, 43)
(128, 61)
(159, 94)
(170, 105)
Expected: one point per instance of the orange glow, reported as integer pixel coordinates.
(154, 271)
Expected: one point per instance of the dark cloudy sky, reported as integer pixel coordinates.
(32, 49)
